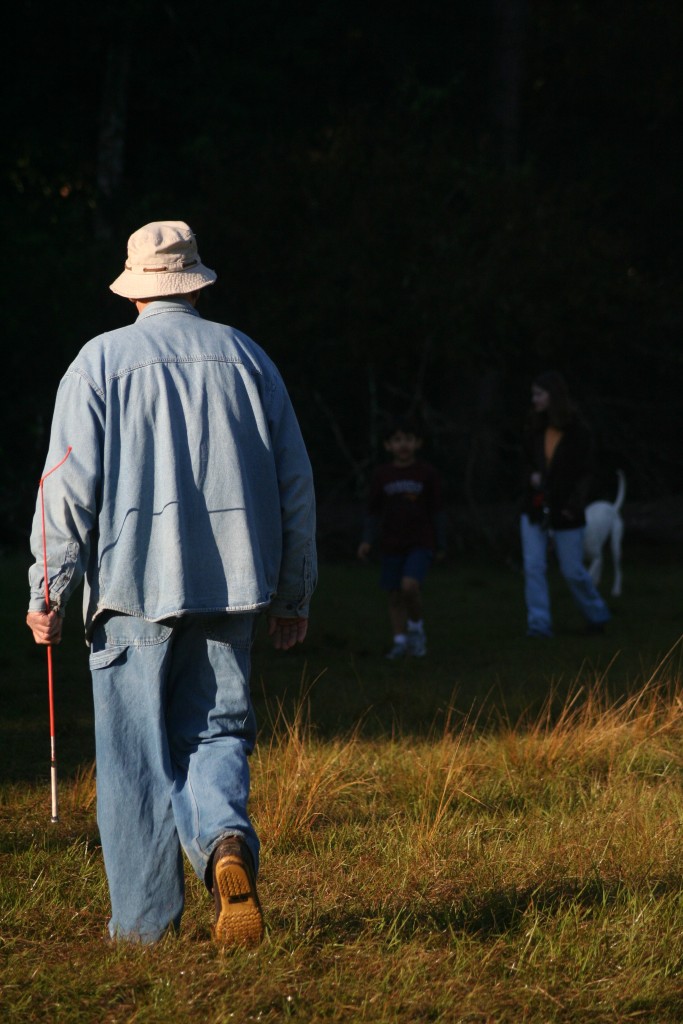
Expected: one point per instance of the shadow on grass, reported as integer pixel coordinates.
(479, 666)
(51, 838)
(498, 912)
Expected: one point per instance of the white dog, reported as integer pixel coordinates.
(603, 523)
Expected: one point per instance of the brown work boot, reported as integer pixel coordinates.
(239, 921)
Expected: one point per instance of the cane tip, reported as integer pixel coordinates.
(54, 818)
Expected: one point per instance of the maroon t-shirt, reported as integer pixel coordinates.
(405, 503)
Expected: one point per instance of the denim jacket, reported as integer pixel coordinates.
(188, 488)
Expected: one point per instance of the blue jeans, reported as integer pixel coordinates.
(174, 726)
(569, 550)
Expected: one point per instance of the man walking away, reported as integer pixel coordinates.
(187, 507)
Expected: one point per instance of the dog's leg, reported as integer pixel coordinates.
(615, 544)
(595, 569)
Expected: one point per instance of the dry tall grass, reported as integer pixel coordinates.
(526, 871)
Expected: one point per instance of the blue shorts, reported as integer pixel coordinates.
(413, 563)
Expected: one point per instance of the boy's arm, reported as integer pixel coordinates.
(373, 517)
(369, 535)
(370, 531)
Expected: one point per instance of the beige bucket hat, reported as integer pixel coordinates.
(162, 260)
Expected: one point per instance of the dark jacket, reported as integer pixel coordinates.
(563, 495)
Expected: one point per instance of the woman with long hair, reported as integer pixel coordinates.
(558, 452)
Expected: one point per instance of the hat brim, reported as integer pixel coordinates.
(148, 285)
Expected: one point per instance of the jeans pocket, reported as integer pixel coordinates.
(114, 634)
(113, 629)
(106, 657)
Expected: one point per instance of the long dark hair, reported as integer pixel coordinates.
(561, 408)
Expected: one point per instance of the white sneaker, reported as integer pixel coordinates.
(416, 643)
(397, 651)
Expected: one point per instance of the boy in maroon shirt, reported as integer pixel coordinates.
(405, 512)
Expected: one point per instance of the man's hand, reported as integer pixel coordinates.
(45, 626)
(286, 632)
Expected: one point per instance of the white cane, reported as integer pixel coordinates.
(50, 689)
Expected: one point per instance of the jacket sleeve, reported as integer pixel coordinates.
(70, 494)
(298, 568)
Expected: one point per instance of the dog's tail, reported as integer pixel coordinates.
(621, 489)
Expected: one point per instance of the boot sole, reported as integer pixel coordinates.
(240, 921)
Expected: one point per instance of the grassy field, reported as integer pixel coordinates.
(492, 834)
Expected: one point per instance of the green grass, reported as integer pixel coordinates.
(480, 660)
(493, 834)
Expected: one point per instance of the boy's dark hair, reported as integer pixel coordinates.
(404, 424)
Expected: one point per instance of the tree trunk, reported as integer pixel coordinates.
(111, 144)
(509, 43)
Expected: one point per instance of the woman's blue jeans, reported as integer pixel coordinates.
(569, 550)
(174, 726)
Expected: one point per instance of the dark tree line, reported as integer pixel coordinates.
(409, 208)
